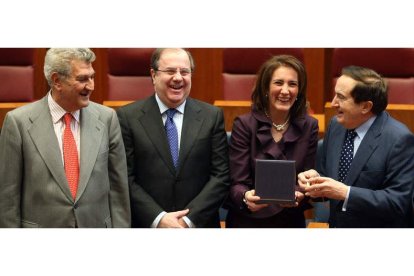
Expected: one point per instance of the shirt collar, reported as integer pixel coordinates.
(164, 108)
(363, 129)
(57, 111)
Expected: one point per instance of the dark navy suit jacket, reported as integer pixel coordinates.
(381, 175)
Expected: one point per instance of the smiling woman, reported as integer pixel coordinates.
(277, 128)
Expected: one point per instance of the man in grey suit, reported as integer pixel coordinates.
(176, 150)
(58, 173)
(369, 180)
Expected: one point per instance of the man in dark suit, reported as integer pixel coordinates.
(62, 158)
(176, 150)
(367, 160)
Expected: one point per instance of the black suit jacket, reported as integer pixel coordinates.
(201, 181)
(381, 175)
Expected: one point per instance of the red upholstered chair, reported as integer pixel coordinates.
(129, 74)
(16, 74)
(396, 65)
(240, 66)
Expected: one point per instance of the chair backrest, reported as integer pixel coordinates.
(240, 66)
(129, 75)
(396, 65)
(16, 74)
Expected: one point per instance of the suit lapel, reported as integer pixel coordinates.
(151, 122)
(192, 123)
(43, 136)
(367, 147)
(90, 142)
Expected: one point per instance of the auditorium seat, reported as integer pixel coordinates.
(129, 74)
(16, 78)
(240, 66)
(16, 74)
(396, 65)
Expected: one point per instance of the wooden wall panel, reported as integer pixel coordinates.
(316, 62)
(206, 82)
(101, 70)
(40, 86)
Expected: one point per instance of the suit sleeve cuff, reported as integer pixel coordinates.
(188, 222)
(346, 200)
(157, 220)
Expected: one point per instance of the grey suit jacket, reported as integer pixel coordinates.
(201, 181)
(34, 191)
(381, 175)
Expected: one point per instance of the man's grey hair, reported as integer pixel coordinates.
(58, 60)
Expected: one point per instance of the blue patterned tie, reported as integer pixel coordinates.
(347, 154)
(172, 135)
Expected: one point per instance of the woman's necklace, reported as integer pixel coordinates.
(278, 127)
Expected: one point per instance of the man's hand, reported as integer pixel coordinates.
(326, 187)
(304, 179)
(173, 219)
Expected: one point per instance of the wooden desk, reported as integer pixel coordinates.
(321, 123)
(116, 104)
(6, 107)
(401, 112)
(232, 109)
(318, 225)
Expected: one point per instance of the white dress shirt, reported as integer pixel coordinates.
(57, 113)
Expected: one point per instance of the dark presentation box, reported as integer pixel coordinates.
(275, 181)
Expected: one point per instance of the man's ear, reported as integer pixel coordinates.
(152, 71)
(366, 107)
(56, 81)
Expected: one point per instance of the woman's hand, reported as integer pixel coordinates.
(298, 198)
(250, 198)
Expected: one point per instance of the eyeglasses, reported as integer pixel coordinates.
(172, 71)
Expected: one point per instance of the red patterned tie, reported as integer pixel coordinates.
(70, 156)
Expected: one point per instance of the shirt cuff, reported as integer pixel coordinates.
(346, 199)
(189, 222)
(157, 220)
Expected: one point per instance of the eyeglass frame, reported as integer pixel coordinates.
(173, 70)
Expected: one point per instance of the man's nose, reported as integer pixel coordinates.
(335, 101)
(91, 84)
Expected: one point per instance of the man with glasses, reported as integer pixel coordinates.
(176, 150)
